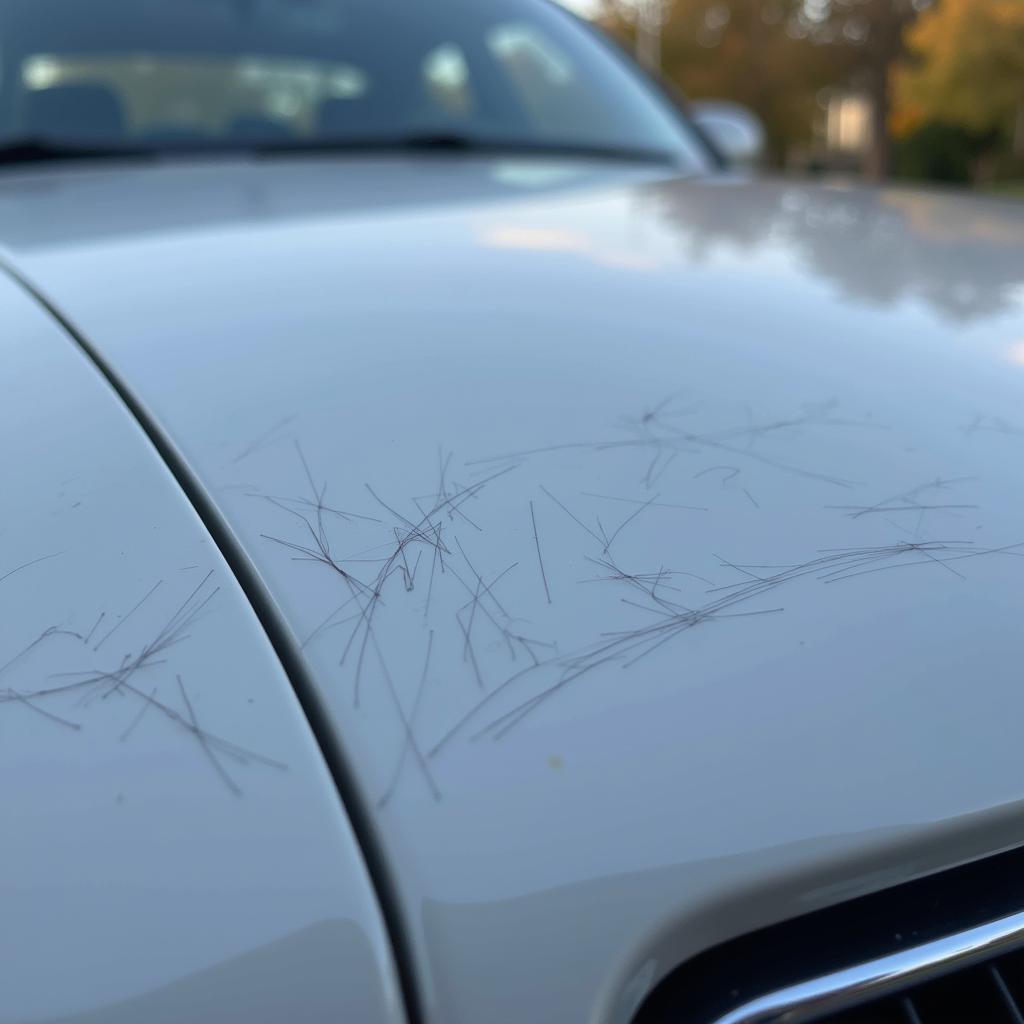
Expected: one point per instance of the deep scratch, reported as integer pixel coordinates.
(26, 565)
(124, 618)
(540, 557)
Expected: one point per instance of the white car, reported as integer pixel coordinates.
(467, 556)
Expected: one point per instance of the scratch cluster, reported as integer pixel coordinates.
(433, 555)
(104, 686)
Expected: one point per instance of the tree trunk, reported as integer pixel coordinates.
(878, 165)
(648, 35)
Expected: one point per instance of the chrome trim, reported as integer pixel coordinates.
(875, 979)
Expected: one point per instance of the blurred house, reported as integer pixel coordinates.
(840, 136)
(848, 123)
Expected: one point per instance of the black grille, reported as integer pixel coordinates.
(987, 994)
(893, 922)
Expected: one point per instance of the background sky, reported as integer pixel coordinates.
(581, 6)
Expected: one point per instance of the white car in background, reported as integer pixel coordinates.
(469, 557)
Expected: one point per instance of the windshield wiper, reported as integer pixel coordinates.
(32, 151)
(455, 142)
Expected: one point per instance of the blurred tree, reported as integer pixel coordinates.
(965, 69)
(748, 51)
(940, 151)
(870, 38)
(776, 56)
(753, 52)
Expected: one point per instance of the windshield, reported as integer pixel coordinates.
(162, 75)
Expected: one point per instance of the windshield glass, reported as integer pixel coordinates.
(183, 74)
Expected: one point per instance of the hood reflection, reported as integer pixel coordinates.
(962, 255)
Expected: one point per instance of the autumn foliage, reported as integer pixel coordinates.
(927, 69)
(965, 66)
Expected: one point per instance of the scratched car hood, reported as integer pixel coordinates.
(657, 547)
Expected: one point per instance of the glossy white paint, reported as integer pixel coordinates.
(803, 368)
(146, 875)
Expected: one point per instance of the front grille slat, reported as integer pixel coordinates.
(1011, 1004)
(910, 1011)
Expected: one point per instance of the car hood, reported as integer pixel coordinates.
(656, 547)
(150, 734)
